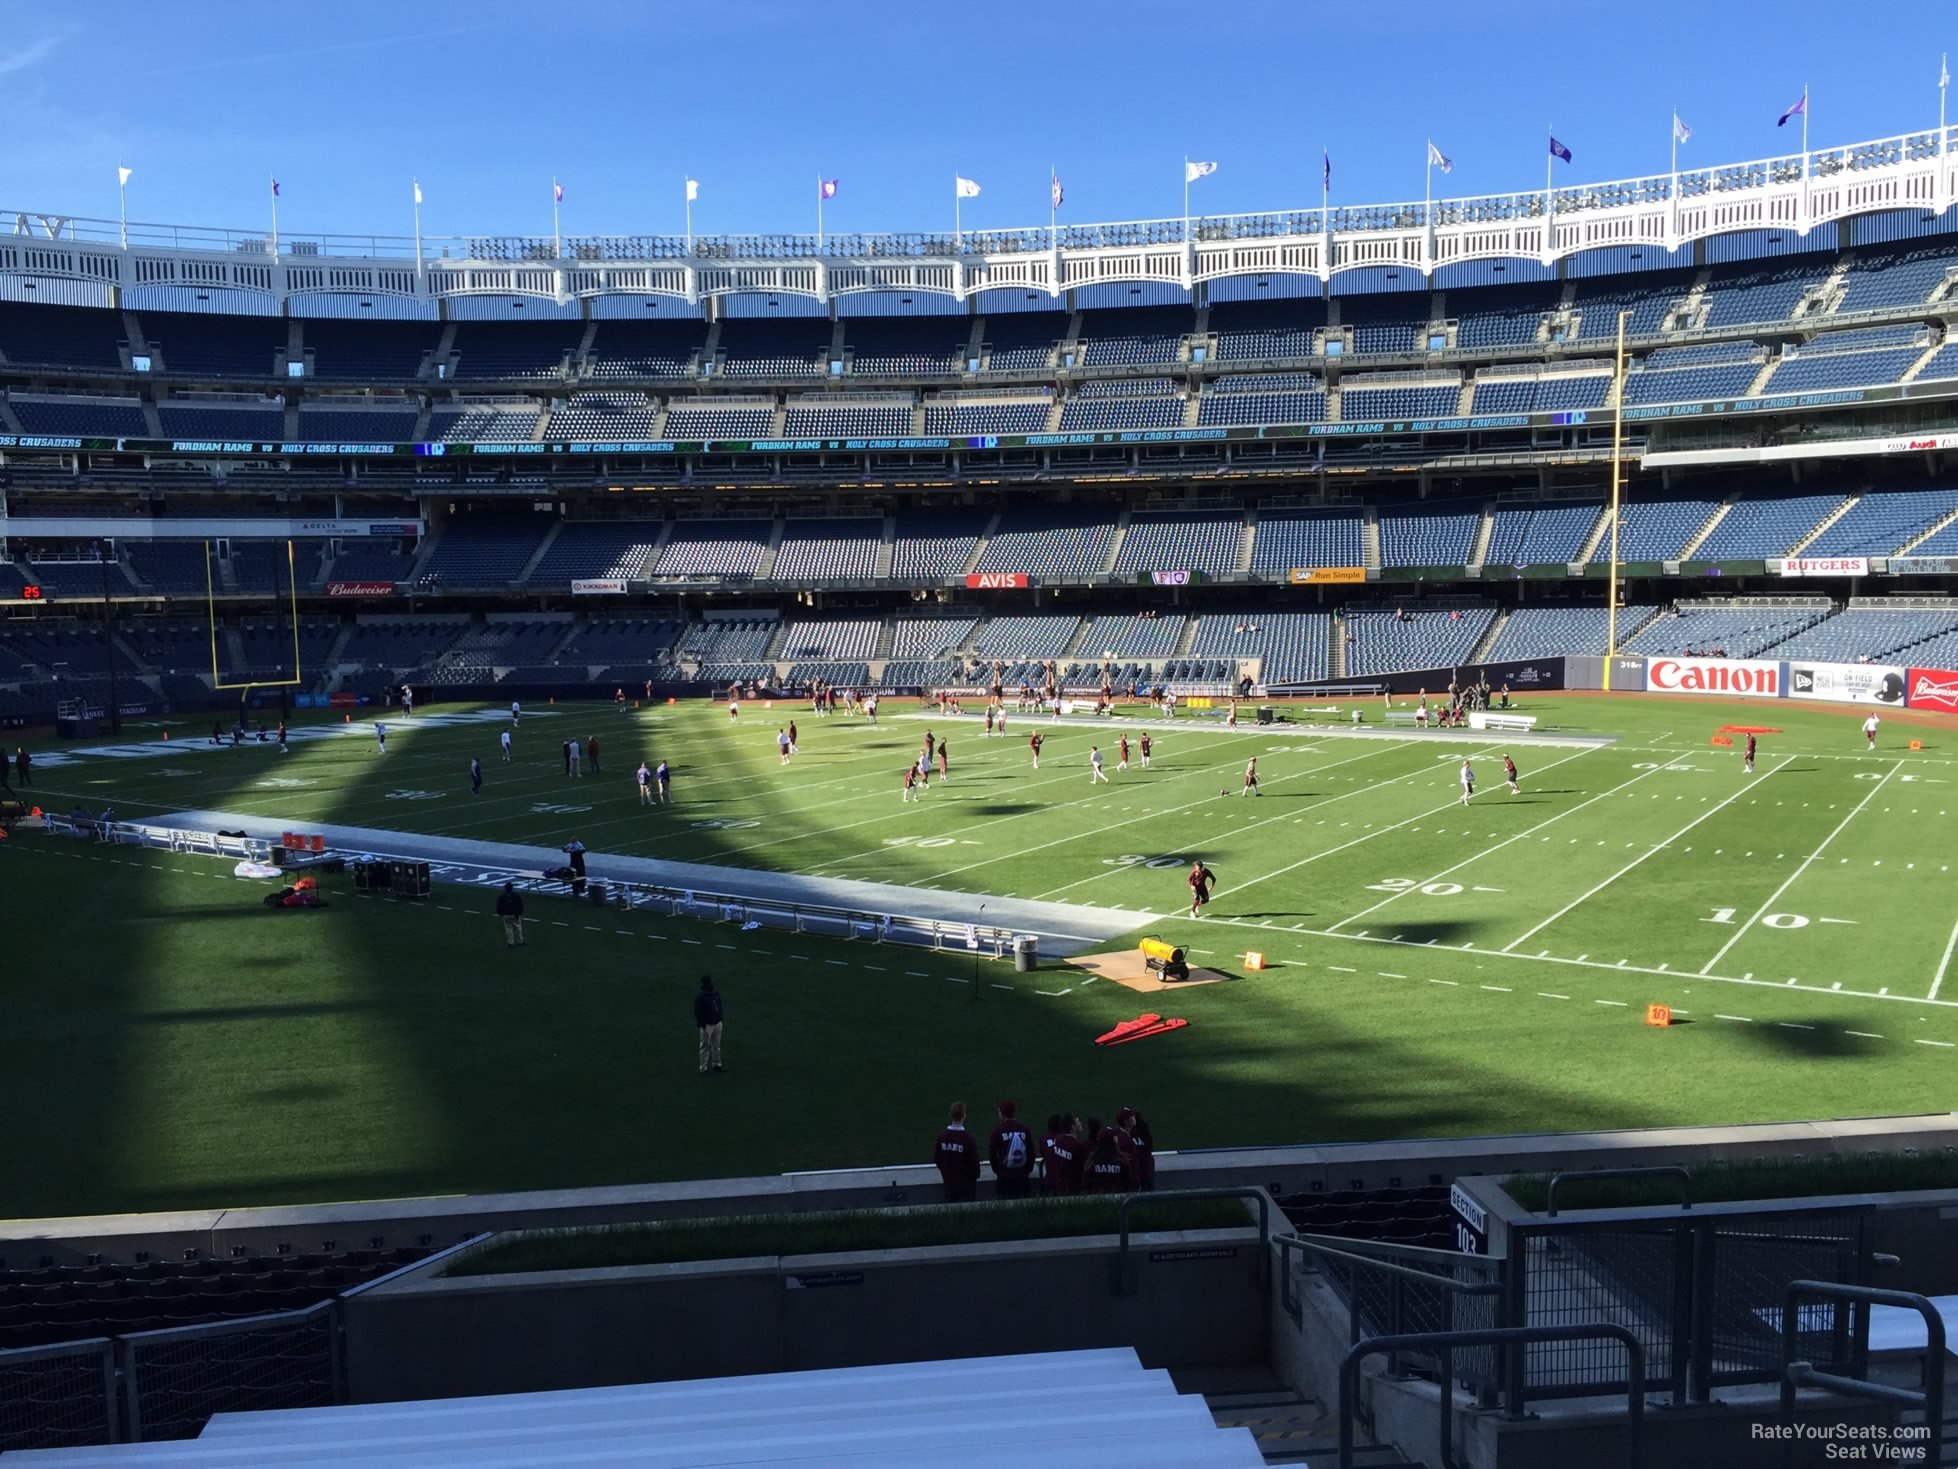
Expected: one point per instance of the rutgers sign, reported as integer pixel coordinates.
(1932, 688)
(987, 581)
(1752, 680)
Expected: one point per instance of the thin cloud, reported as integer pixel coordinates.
(306, 53)
(31, 55)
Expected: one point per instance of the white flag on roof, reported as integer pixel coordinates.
(123, 171)
(693, 190)
(1439, 159)
(418, 191)
(1192, 170)
(966, 188)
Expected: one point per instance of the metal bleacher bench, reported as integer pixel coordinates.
(1499, 719)
(1400, 716)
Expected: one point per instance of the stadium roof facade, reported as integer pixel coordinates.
(57, 259)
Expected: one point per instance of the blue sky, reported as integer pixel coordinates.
(485, 102)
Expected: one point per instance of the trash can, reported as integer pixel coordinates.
(1026, 953)
(597, 895)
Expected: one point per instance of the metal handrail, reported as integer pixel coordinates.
(1444, 1344)
(1125, 1282)
(1656, 1170)
(1311, 1245)
(1796, 1374)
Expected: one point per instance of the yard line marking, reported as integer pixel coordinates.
(1791, 1025)
(917, 974)
(1635, 862)
(1868, 1035)
(1526, 832)
(1743, 1018)
(1053, 993)
(1944, 963)
(1621, 1004)
(1775, 896)
(1546, 995)
(1342, 969)
(1942, 1045)
(1501, 989)
(1396, 826)
(1389, 974)
(839, 963)
(876, 969)
(1444, 981)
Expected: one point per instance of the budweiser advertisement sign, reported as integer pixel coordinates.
(598, 586)
(1932, 688)
(1826, 566)
(987, 581)
(360, 589)
(1748, 678)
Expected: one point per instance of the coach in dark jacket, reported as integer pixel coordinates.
(707, 1016)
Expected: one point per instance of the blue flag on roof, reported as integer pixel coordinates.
(1558, 150)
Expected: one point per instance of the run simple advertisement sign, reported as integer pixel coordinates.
(1847, 683)
(1749, 678)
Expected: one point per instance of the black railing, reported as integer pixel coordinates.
(1797, 1373)
(1516, 1339)
(1125, 1281)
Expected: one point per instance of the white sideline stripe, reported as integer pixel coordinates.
(1621, 967)
(1654, 851)
(1775, 896)
(1477, 856)
(1944, 963)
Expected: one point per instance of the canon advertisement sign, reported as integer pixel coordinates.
(1745, 677)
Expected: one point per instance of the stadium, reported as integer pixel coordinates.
(1538, 612)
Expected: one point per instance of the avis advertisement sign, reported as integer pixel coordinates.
(989, 581)
(1846, 683)
(1932, 688)
(1749, 678)
(1826, 566)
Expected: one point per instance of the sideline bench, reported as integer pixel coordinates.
(1501, 719)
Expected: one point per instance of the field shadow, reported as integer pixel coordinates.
(1007, 808)
(1438, 933)
(1822, 1039)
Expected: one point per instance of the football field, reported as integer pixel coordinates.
(1430, 968)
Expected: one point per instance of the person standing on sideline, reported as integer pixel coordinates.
(1147, 746)
(284, 749)
(577, 758)
(381, 737)
(707, 1018)
(1509, 774)
(989, 721)
(663, 782)
(1123, 750)
(644, 776)
(1108, 1170)
(1747, 757)
(23, 766)
(944, 761)
(782, 745)
(957, 1157)
(506, 746)
(591, 753)
(1468, 781)
(407, 701)
(567, 757)
(509, 907)
(516, 712)
(1034, 743)
(475, 777)
(1250, 787)
(1095, 772)
(910, 784)
(793, 748)
(1011, 1154)
(1869, 731)
(618, 699)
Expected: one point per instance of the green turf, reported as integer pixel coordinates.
(1433, 971)
(838, 1231)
